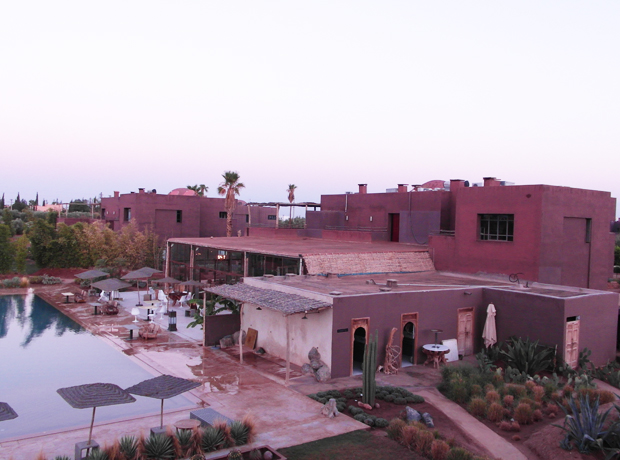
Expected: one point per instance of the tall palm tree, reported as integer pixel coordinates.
(291, 198)
(199, 189)
(230, 188)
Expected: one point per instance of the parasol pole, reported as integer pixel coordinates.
(161, 419)
(92, 422)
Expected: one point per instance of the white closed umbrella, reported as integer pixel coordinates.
(489, 334)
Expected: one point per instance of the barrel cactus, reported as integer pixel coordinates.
(235, 454)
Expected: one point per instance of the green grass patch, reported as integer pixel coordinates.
(350, 446)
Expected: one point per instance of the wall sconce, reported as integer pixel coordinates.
(371, 218)
(466, 293)
(305, 317)
(258, 308)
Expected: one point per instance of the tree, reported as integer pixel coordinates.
(291, 198)
(201, 189)
(230, 188)
(2, 202)
(19, 204)
(6, 249)
(41, 234)
(21, 253)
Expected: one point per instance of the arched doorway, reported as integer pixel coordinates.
(359, 345)
(408, 345)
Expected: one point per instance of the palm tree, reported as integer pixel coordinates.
(291, 198)
(230, 188)
(199, 189)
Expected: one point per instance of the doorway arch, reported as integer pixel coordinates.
(409, 339)
(359, 339)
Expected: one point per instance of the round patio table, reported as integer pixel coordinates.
(187, 424)
(436, 354)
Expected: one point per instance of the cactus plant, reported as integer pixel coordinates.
(235, 454)
(369, 367)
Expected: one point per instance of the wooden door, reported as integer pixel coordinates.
(404, 319)
(465, 331)
(357, 323)
(571, 352)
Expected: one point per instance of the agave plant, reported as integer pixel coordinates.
(128, 445)
(239, 432)
(525, 356)
(158, 447)
(212, 439)
(62, 457)
(97, 454)
(583, 425)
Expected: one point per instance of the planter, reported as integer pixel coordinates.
(245, 451)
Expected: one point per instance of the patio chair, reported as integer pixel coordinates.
(149, 331)
(80, 297)
(110, 308)
(103, 297)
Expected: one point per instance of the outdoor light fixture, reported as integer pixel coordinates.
(305, 317)
(172, 321)
(258, 308)
(162, 310)
(466, 293)
(135, 312)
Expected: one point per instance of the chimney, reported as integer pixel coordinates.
(140, 190)
(456, 183)
(490, 182)
(116, 194)
(402, 188)
(416, 187)
(363, 188)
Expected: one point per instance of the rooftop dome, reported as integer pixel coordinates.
(183, 191)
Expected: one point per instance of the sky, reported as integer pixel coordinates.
(97, 97)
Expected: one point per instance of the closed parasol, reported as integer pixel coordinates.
(489, 334)
(163, 387)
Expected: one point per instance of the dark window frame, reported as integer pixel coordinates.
(223, 214)
(126, 214)
(271, 217)
(179, 216)
(496, 227)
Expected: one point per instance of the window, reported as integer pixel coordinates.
(247, 218)
(271, 217)
(223, 214)
(127, 214)
(496, 227)
(179, 216)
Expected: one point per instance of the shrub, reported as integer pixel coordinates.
(489, 387)
(552, 409)
(348, 394)
(495, 412)
(538, 393)
(400, 401)
(514, 426)
(476, 390)
(439, 450)
(415, 399)
(394, 429)
(390, 397)
(530, 385)
(606, 397)
(369, 421)
(505, 425)
(523, 414)
(381, 423)
(51, 280)
(409, 436)
(477, 407)
(537, 415)
(355, 410)
(360, 417)
(128, 445)
(239, 432)
(425, 441)
(508, 401)
(492, 396)
(458, 453)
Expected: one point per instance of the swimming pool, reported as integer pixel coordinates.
(42, 350)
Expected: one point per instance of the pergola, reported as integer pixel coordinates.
(285, 303)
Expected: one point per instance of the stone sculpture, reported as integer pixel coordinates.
(316, 367)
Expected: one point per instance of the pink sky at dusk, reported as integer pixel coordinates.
(105, 96)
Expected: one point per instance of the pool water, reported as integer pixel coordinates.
(42, 350)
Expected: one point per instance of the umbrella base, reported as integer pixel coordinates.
(80, 447)
(158, 430)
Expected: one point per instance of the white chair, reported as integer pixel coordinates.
(103, 297)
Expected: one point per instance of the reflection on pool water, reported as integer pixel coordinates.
(42, 350)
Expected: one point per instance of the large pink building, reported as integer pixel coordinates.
(543, 233)
(182, 214)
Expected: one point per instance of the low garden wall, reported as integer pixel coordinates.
(216, 327)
